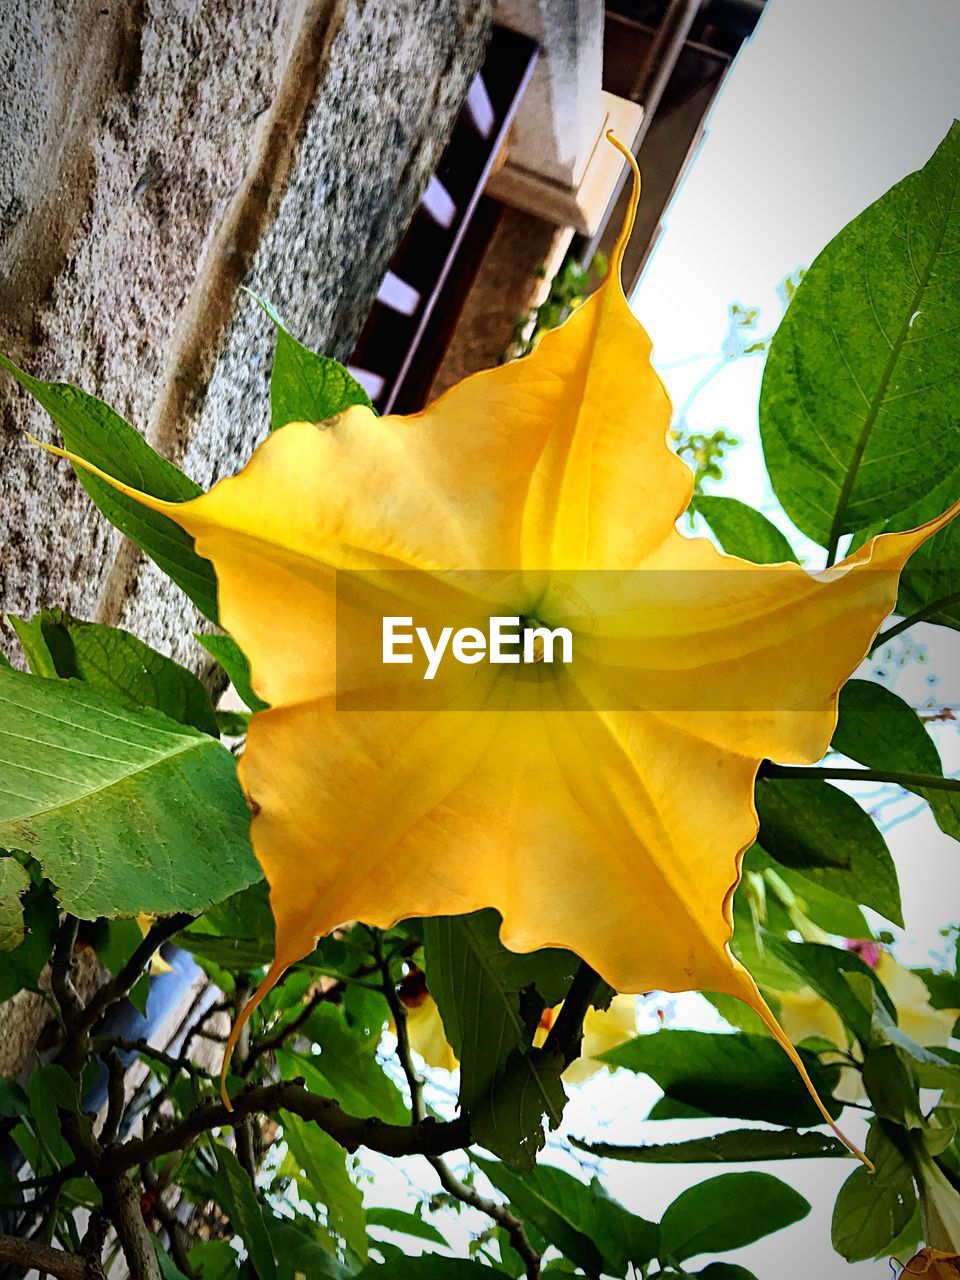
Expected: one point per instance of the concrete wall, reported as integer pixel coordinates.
(156, 155)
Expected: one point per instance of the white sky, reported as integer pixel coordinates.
(831, 103)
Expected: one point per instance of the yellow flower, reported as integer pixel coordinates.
(935, 1264)
(804, 1016)
(603, 807)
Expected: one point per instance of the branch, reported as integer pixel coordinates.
(126, 979)
(500, 1214)
(921, 615)
(55, 1262)
(429, 1137)
(399, 1014)
(61, 971)
(933, 781)
(566, 1034)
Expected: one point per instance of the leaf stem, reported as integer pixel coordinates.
(912, 781)
(921, 615)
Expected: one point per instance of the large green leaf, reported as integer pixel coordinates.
(491, 1000)
(324, 1180)
(814, 828)
(304, 386)
(881, 731)
(126, 811)
(747, 1145)
(861, 392)
(872, 1209)
(743, 531)
(237, 1198)
(744, 1077)
(115, 662)
(97, 433)
(728, 1212)
(300, 1254)
(404, 1223)
(581, 1220)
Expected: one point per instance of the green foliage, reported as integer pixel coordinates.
(125, 811)
(304, 386)
(742, 531)
(880, 730)
(581, 1220)
(116, 663)
(14, 883)
(96, 432)
(861, 392)
(234, 662)
(728, 1212)
(816, 829)
(491, 1001)
(744, 1077)
(721, 1148)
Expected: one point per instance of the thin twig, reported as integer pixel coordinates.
(935, 606)
(124, 981)
(276, 1041)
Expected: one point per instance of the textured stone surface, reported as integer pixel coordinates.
(156, 157)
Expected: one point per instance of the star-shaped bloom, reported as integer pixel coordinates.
(602, 806)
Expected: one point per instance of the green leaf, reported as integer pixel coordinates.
(404, 1223)
(345, 1069)
(234, 661)
(301, 1255)
(861, 391)
(214, 1260)
(304, 386)
(831, 911)
(14, 883)
(20, 968)
(116, 663)
(491, 1001)
(881, 731)
(235, 1195)
(824, 969)
(815, 829)
(49, 1089)
(930, 581)
(742, 531)
(326, 1181)
(734, 1145)
(868, 1216)
(589, 1228)
(237, 933)
(744, 1077)
(168, 1269)
(728, 1212)
(126, 811)
(94, 431)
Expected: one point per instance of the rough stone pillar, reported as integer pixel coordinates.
(156, 155)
